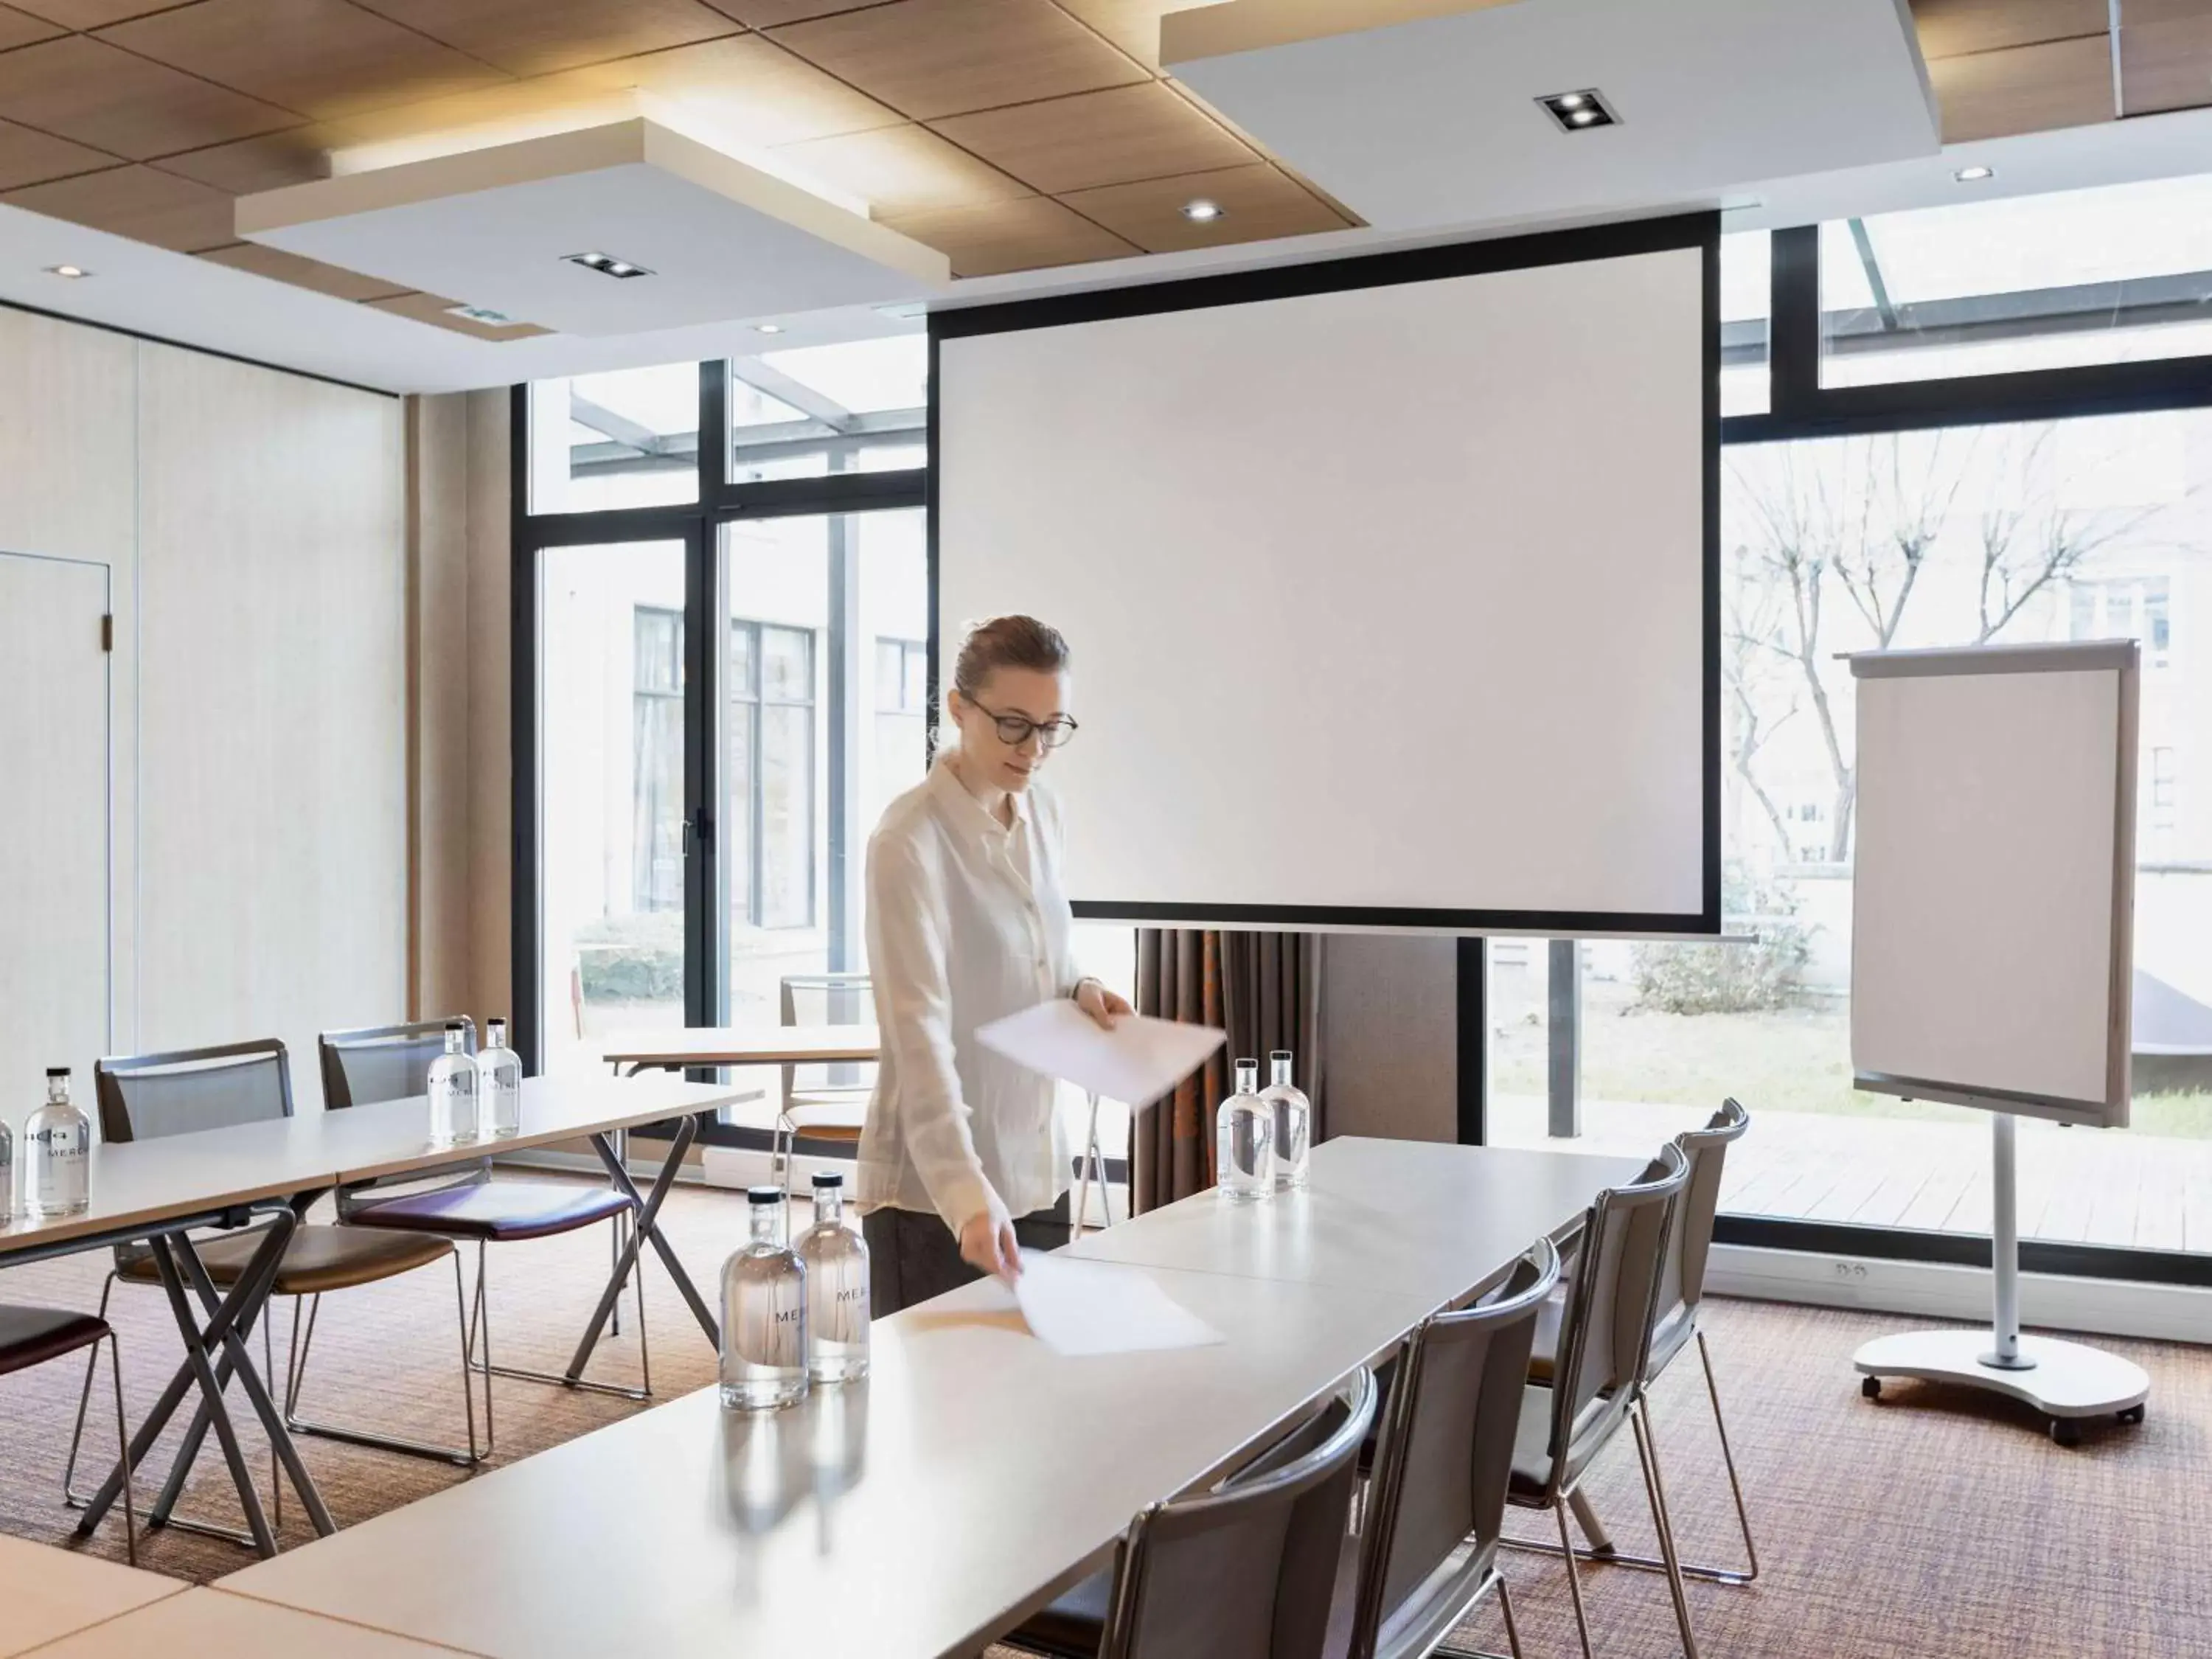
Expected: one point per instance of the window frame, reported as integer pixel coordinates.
(698, 526)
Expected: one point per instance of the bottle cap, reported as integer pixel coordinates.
(828, 1178)
(1254, 1064)
(457, 1025)
(58, 1071)
(495, 1019)
(1279, 1054)
(764, 1194)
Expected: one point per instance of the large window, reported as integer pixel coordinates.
(858, 407)
(657, 744)
(770, 815)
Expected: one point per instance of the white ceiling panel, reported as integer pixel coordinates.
(720, 237)
(1435, 122)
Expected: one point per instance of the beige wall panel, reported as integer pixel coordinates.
(491, 771)
(1390, 1022)
(273, 852)
(65, 440)
(440, 631)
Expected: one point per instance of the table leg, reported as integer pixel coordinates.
(211, 1387)
(257, 1389)
(260, 1271)
(647, 1226)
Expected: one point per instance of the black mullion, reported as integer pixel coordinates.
(524, 903)
(714, 429)
(702, 680)
(1793, 325)
(1472, 1022)
(830, 492)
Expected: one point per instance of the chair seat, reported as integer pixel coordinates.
(318, 1259)
(31, 1336)
(1532, 1456)
(1072, 1626)
(1668, 1341)
(497, 1211)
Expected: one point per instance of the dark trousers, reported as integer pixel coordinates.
(913, 1256)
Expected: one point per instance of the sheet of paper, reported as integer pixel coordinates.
(1138, 1060)
(1079, 1308)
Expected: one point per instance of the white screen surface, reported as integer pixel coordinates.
(1388, 604)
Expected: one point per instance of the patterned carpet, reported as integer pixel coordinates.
(1935, 1522)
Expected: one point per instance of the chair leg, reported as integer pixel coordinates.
(1647, 1452)
(275, 1464)
(465, 1457)
(522, 1374)
(1574, 1579)
(1512, 1629)
(71, 1497)
(123, 1441)
(1728, 1458)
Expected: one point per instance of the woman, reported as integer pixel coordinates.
(962, 1159)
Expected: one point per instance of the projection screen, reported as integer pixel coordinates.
(1391, 583)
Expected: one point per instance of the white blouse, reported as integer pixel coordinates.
(967, 923)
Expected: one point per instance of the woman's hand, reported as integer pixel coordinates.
(987, 1244)
(1104, 1005)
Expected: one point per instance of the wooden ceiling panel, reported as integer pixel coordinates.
(901, 170)
(322, 57)
(299, 156)
(137, 201)
(32, 158)
(2165, 60)
(935, 57)
(1027, 234)
(1111, 137)
(94, 14)
(1950, 28)
(20, 28)
(1132, 25)
(748, 87)
(429, 309)
(1995, 94)
(1258, 204)
(280, 266)
(82, 89)
(772, 13)
(539, 37)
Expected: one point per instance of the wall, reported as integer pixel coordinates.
(251, 524)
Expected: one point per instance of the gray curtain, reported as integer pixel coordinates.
(1264, 990)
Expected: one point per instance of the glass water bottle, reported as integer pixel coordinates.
(453, 1090)
(499, 1080)
(836, 1262)
(765, 1314)
(1245, 1138)
(57, 1147)
(1293, 1121)
(7, 1173)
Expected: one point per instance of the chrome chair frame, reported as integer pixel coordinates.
(783, 1153)
(122, 1435)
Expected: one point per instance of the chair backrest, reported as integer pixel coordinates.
(1605, 1334)
(382, 1062)
(1436, 1505)
(1248, 1571)
(1690, 1237)
(825, 999)
(145, 1097)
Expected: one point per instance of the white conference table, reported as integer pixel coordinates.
(206, 1624)
(155, 1191)
(672, 1048)
(47, 1594)
(975, 1475)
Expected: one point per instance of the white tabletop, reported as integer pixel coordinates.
(48, 1592)
(391, 1137)
(206, 1624)
(1434, 1219)
(731, 1045)
(974, 1475)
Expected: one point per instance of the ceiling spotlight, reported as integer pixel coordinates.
(66, 270)
(1974, 175)
(1201, 211)
(768, 328)
(606, 264)
(1582, 111)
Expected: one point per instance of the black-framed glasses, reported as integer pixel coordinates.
(1014, 729)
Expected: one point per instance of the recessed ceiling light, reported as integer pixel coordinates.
(483, 315)
(1974, 175)
(768, 328)
(1583, 110)
(66, 270)
(606, 264)
(1201, 211)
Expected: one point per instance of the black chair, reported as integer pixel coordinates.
(31, 1336)
(393, 1062)
(1436, 1503)
(1571, 1413)
(188, 1091)
(1249, 1571)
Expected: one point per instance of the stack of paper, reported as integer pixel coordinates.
(1102, 1307)
(1137, 1062)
